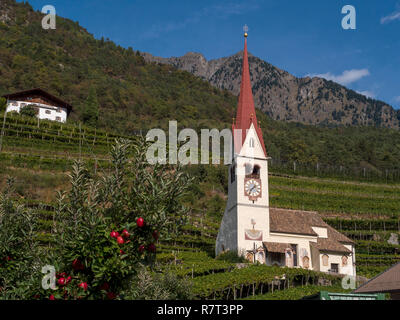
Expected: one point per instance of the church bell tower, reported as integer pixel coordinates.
(245, 224)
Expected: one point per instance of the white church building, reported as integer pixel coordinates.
(272, 236)
(47, 106)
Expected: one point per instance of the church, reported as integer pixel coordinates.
(272, 236)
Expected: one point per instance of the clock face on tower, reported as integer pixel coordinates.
(252, 188)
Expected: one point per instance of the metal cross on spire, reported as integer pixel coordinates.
(245, 29)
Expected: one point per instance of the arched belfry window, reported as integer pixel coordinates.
(256, 171)
(251, 143)
(252, 171)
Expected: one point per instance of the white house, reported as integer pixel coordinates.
(47, 106)
(272, 236)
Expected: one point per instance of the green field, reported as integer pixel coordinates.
(39, 158)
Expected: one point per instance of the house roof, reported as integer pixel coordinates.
(39, 92)
(387, 281)
(276, 246)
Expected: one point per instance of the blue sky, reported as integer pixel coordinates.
(301, 37)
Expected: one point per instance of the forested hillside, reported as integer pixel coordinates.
(134, 95)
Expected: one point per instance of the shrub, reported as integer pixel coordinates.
(20, 261)
(231, 256)
(157, 286)
(108, 224)
(3, 104)
(29, 111)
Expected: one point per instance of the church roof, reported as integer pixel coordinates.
(301, 222)
(293, 221)
(276, 246)
(330, 245)
(246, 112)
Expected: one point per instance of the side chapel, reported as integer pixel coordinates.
(272, 236)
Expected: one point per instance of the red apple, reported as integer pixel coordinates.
(83, 285)
(52, 297)
(68, 279)
(111, 295)
(114, 234)
(125, 233)
(120, 240)
(155, 235)
(140, 222)
(62, 281)
(105, 286)
(121, 252)
(77, 265)
(151, 247)
(141, 248)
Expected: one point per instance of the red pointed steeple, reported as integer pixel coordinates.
(246, 113)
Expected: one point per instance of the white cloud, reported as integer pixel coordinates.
(367, 93)
(391, 17)
(347, 77)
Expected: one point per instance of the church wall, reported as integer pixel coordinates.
(252, 215)
(337, 259)
(227, 235)
(351, 260)
(303, 245)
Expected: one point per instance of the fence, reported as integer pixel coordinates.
(339, 172)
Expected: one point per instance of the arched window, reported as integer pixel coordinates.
(251, 143)
(325, 260)
(252, 171)
(256, 172)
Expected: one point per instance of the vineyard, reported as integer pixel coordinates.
(38, 155)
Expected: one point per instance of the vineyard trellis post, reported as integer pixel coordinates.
(80, 141)
(2, 129)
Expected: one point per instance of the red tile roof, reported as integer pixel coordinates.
(276, 246)
(246, 112)
(387, 281)
(301, 222)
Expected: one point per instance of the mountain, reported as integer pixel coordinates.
(283, 96)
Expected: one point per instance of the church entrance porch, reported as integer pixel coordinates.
(280, 254)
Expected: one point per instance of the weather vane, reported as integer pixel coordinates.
(246, 30)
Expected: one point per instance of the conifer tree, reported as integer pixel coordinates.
(3, 104)
(90, 113)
